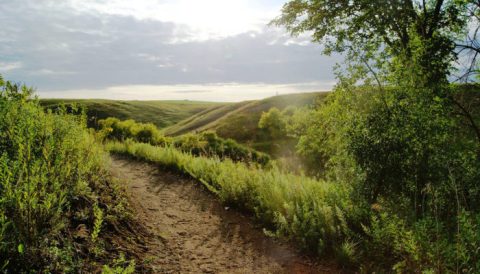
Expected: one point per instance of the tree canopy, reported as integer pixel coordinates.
(427, 34)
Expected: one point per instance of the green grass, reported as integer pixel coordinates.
(204, 120)
(313, 213)
(321, 217)
(237, 121)
(160, 113)
(205, 143)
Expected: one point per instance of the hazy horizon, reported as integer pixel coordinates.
(157, 50)
(219, 93)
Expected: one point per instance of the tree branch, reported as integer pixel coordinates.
(436, 17)
(469, 116)
(467, 47)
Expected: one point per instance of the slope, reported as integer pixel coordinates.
(238, 120)
(160, 113)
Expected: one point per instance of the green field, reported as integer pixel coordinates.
(160, 113)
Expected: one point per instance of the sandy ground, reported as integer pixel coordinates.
(192, 232)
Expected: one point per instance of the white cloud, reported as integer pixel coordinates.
(52, 72)
(8, 66)
(63, 49)
(206, 19)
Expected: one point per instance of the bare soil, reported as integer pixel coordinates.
(192, 232)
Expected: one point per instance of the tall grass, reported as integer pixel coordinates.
(51, 173)
(325, 217)
(314, 213)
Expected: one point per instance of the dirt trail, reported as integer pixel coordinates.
(196, 234)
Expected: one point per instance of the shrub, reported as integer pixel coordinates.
(51, 172)
(323, 218)
(274, 122)
(201, 144)
(405, 153)
(114, 129)
(210, 145)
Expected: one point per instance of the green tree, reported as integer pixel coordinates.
(273, 121)
(417, 38)
(394, 127)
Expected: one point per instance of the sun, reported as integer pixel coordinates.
(213, 18)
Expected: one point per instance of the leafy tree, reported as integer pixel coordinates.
(395, 128)
(402, 50)
(273, 122)
(417, 38)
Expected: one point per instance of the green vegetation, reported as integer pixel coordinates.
(322, 217)
(237, 121)
(51, 173)
(240, 122)
(394, 150)
(201, 144)
(209, 144)
(160, 113)
(396, 130)
(314, 213)
(273, 122)
(114, 129)
(205, 120)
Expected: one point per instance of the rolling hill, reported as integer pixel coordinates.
(238, 120)
(160, 113)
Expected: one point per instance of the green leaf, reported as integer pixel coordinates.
(21, 248)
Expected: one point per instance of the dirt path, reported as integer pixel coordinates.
(196, 234)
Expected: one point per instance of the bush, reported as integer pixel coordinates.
(51, 172)
(274, 122)
(201, 144)
(405, 153)
(114, 129)
(210, 145)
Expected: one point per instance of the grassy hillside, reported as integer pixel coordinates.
(240, 121)
(204, 120)
(160, 113)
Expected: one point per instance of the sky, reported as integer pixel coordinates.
(209, 50)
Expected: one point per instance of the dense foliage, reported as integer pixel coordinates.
(396, 130)
(209, 144)
(115, 129)
(201, 144)
(325, 218)
(273, 122)
(415, 40)
(54, 189)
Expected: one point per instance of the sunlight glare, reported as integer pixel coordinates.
(206, 19)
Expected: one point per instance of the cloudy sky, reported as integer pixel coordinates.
(213, 50)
